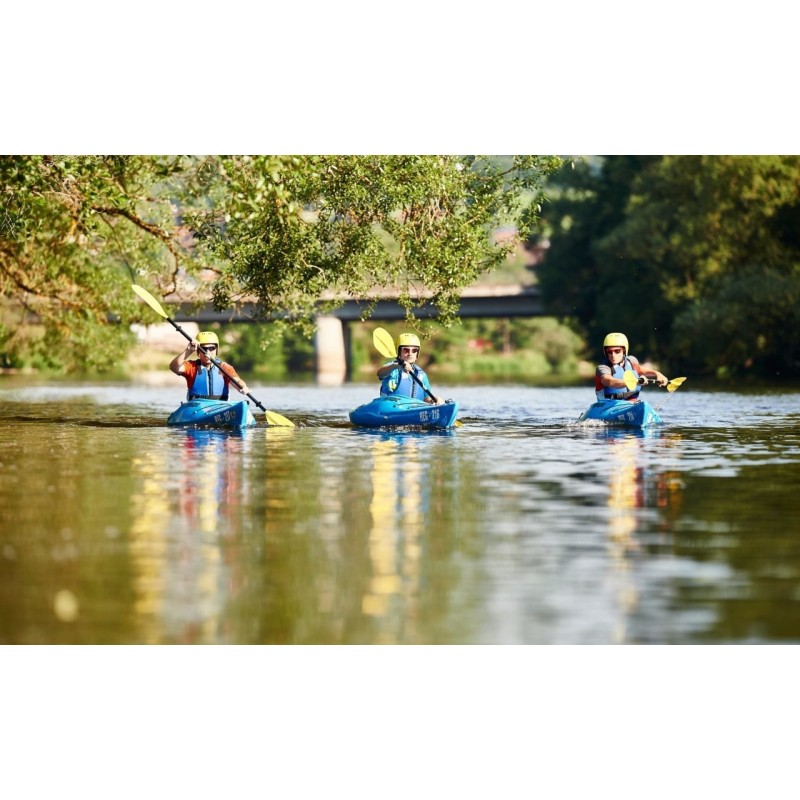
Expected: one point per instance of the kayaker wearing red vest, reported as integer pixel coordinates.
(608, 380)
(395, 376)
(203, 378)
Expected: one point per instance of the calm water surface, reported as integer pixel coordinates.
(519, 527)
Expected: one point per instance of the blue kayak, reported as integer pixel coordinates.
(622, 412)
(393, 410)
(216, 413)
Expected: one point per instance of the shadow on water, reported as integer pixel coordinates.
(119, 422)
(402, 432)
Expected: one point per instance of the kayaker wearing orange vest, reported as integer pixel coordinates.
(203, 378)
(608, 377)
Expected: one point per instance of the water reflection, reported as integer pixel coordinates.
(625, 496)
(353, 562)
(638, 487)
(185, 496)
(397, 511)
(117, 528)
(211, 478)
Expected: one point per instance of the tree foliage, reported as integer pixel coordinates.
(74, 233)
(294, 229)
(284, 231)
(681, 252)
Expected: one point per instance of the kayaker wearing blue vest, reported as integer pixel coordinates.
(608, 380)
(203, 378)
(395, 376)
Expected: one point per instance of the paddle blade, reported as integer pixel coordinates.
(273, 418)
(384, 343)
(674, 384)
(150, 300)
(630, 379)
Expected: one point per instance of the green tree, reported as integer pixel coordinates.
(74, 232)
(287, 231)
(292, 230)
(667, 248)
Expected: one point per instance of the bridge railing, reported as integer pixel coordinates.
(331, 343)
(512, 300)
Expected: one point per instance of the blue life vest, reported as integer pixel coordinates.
(623, 393)
(209, 384)
(399, 382)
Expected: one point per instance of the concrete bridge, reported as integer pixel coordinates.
(332, 339)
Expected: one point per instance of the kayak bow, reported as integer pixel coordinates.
(622, 412)
(394, 410)
(216, 413)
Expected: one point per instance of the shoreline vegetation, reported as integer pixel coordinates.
(534, 352)
(695, 258)
(539, 350)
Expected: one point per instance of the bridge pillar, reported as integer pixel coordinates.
(330, 351)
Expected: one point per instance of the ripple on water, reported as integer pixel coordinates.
(519, 526)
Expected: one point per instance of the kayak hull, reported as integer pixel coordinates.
(215, 413)
(622, 412)
(389, 411)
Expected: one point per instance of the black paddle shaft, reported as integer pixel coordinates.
(417, 380)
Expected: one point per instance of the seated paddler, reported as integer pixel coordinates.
(206, 376)
(402, 376)
(609, 383)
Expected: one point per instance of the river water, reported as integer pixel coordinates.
(519, 527)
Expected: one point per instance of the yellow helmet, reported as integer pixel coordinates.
(207, 337)
(407, 340)
(616, 340)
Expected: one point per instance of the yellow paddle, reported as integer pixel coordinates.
(674, 384)
(631, 381)
(671, 387)
(272, 417)
(384, 344)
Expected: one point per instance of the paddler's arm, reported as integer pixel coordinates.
(176, 365)
(613, 383)
(387, 369)
(242, 387)
(435, 400)
(231, 373)
(653, 374)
